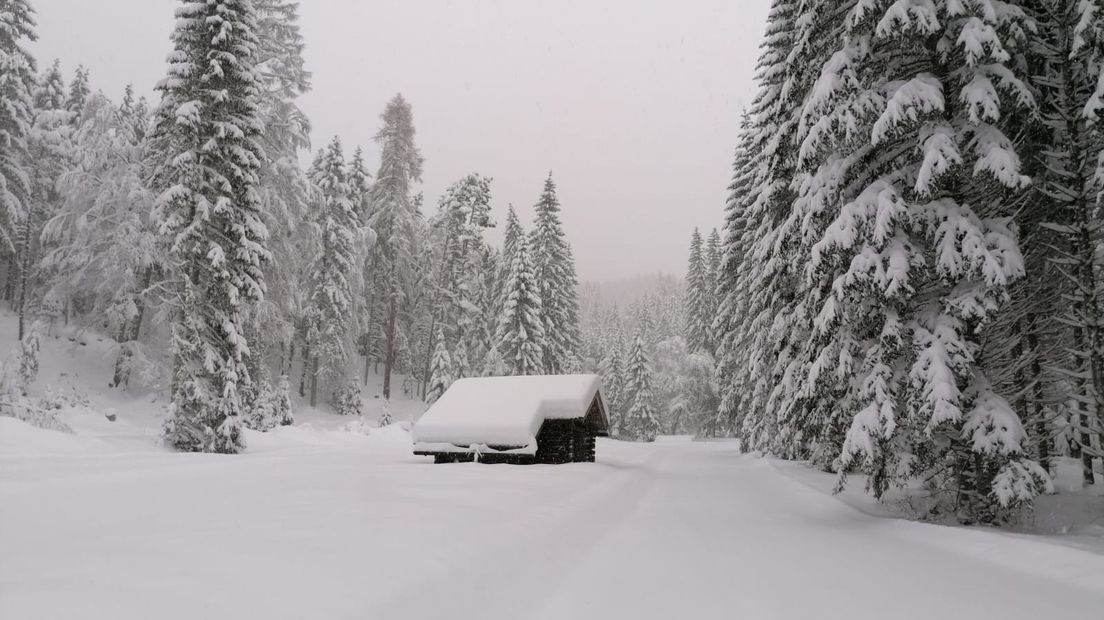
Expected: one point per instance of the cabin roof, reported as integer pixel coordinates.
(504, 411)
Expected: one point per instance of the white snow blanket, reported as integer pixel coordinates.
(502, 411)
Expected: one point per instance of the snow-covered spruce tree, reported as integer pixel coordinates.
(640, 423)
(360, 185)
(29, 348)
(511, 233)
(697, 328)
(394, 216)
(463, 214)
(520, 337)
(17, 80)
(911, 251)
(485, 298)
(208, 119)
(1069, 193)
(440, 369)
(711, 258)
(728, 321)
(331, 300)
(613, 387)
(756, 282)
(554, 269)
(347, 399)
(461, 365)
(79, 92)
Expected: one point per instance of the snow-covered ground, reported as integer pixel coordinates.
(314, 521)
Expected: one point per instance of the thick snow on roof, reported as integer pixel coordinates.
(504, 411)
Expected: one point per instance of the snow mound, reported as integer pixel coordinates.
(18, 438)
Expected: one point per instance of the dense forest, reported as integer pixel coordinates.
(912, 273)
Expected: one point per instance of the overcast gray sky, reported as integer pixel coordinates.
(632, 104)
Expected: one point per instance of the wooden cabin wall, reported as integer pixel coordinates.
(555, 442)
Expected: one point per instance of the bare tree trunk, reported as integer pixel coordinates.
(24, 267)
(286, 369)
(429, 354)
(9, 282)
(306, 368)
(129, 332)
(314, 381)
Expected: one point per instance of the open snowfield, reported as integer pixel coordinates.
(328, 524)
(314, 521)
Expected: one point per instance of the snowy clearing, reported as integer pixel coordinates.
(333, 524)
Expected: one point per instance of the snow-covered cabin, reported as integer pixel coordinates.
(528, 419)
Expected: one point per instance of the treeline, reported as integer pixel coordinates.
(912, 274)
(189, 232)
(655, 377)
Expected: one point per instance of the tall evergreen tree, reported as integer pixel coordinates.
(697, 299)
(394, 216)
(360, 185)
(17, 79)
(331, 300)
(511, 233)
(711, 258)
(554, 269)
(613, 387)
(640, 421)
(463, 215)
(208, 120)
(520, 337)
(78, 92)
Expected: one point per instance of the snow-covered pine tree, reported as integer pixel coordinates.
(78, 93)
(481, 337)
(208, 120)
(461, 365)
(697, 301)
(17, 80)
(711, 257)
(360, 189)
(360, 186)
(640, 423)
(494, 365)
(910, 249)
(440, 369)
(554, 269)
(331, 300)
(756, 287)
(29, 348)
(463, 214)
(394, 216)
(511, 233)
(520, 337)
(613, 387)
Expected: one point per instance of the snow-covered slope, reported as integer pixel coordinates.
(327, 524)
